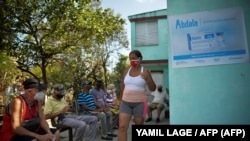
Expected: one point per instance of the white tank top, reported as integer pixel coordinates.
(134, 90)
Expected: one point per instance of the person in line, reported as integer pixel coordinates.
(133, 96)
(112, 102)
(57, 107)
(27, 106)
(160, 98)
(101, 102)
(88, 105)
(112, 90)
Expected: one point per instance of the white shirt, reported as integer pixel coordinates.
(159, 97)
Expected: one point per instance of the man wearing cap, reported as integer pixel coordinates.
(56, 107)
(88, 105)
(27, 106)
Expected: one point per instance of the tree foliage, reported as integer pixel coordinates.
(7, 71)
(112, 46)
(39, 32)
(118, 71)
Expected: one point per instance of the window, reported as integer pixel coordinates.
(146, 33)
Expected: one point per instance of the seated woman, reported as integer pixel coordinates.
(113, 104)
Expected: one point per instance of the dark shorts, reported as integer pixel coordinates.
(137, 109)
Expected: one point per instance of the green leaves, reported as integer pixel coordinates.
(38, 33)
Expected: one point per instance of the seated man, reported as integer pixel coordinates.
(56, 107)
(23, 119)
(87, 105)
(160, 97)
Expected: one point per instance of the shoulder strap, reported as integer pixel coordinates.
(23, 104)
(128, 70)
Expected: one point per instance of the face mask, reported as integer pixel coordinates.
(59, 96)
(160, 89)
(134, 63)
(39, 95)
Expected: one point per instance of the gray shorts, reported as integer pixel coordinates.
(137, 109)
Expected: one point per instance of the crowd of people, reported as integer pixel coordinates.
(57, 107)
(92, 101)
(96, 103)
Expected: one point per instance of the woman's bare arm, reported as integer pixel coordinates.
(150, 81)
(122, 83)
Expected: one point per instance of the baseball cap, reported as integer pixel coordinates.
(33, 83)
(59, 88)
(84, 83)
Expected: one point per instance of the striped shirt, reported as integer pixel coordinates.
(88, 100)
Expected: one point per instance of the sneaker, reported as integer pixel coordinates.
(112, 135)
(148, 120)
(107, 138)
(157, 120)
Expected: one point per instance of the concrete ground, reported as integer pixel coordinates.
(164, 121)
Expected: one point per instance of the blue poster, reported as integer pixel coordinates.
(208, 38)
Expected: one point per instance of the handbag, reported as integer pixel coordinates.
(31, 124)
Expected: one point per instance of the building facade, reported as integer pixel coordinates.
(215, 87)
(148, 34)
